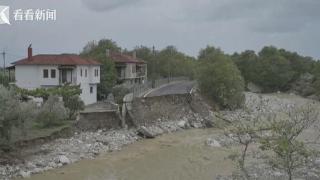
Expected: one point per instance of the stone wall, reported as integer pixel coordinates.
(98, 120)
(151, 110)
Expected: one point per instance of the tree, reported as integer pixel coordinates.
(4, 79)
(9, 118)
(220, 80)
(13, 113)
(246, 129)
(276, 73)
(273, 69)
(289, 153)
(74, 104)
(97, 51)
(248, 64)
(52, 113)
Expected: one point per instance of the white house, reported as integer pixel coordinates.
(45, 71)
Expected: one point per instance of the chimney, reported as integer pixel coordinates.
(30, 52)
(107, 52)
(134, 54)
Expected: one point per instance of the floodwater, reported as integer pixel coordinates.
(182, 155)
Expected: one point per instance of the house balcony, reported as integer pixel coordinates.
(67, 75)
(141, 74)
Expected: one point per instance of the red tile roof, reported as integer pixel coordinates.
(123, 58)
(63, 59)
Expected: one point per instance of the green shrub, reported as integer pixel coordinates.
(52, 113)
(63, 91)
(220, 80)
(119, 93)
(74, 104)
(14, 114)
(4, 79)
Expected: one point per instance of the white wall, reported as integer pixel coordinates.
(129, 74)
(27, 77)
(86, 96)
(50, 81)
(86, 82)
(31, 77)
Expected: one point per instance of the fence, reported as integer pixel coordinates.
(139, 90)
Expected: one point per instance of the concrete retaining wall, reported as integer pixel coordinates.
(98, 120)
(147, 111)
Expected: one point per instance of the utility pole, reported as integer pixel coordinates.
(4, 63)
(4, 67)
(153, 67)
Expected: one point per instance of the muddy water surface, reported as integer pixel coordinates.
(182, 155)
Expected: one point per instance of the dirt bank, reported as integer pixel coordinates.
(87, 145)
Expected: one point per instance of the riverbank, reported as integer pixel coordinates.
(180, 155)
(84, 145)
(89, 145)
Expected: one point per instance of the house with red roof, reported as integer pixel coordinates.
(47, 70)
(130, 69)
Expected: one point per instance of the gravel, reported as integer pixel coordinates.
(87, 145)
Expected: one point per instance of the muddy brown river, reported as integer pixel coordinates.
(182, 155)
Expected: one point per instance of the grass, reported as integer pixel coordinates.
(36, 132)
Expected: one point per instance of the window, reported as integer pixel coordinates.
(81, 72)
(133, 68)
(45, 73)
(86, 73)
(91, 89)
(53, 73)
(96, 72)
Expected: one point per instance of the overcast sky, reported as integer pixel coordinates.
(232, 25)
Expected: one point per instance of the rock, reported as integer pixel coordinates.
(30, 165)
(25, 174)
(254, 88)
(110, 98)
(213, 143)
(196, 124)
(277, 174)
(145, 132)
(312, 176)
(317, 162)
(209, 123)
(63, 160)
(52, 164)
(37, 170)
(182, 124)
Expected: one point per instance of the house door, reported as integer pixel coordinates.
(64, 76)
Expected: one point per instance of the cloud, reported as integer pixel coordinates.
(273, 16)
(107, 5)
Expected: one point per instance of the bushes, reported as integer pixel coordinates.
(74, 104)
(52, 113)
(64, 91)
(273, 69)
(220, 80)
(119, 93)
(4, 79)
(70, 95)
(13, 113)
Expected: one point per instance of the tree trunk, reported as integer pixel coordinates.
(242, 161)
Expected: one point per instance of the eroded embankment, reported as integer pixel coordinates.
(158, 115)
